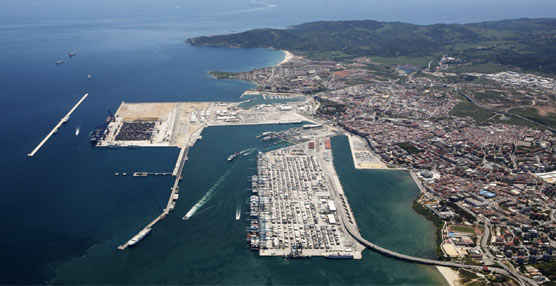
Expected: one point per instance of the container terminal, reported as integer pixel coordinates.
(295, 203)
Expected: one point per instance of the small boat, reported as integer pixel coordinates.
(72, 54)
(59, 62)
(76, 131)
(65, 119)
(89, 76)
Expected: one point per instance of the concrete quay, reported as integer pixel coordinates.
(182, 158)
(55, 129)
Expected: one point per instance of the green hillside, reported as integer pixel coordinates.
(528, 44)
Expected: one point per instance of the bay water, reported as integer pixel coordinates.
(64, 212)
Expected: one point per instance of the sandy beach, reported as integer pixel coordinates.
(287, 57)
(449, 274)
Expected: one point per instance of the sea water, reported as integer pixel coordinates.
(64, 211)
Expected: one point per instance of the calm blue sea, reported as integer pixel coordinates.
(64, 212)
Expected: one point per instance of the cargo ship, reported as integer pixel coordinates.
(97, 134)
(233, 156)
(134, 240)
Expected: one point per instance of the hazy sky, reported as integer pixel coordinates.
(414, 11)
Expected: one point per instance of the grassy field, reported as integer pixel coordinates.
(532, 113)
(489, 96)
(462, 228)
(466, 108)
(416, 61)
(482, 68)
(409, 148)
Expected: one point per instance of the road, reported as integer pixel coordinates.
(504, 269)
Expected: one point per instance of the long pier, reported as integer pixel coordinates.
(173, 195)
(55, 129)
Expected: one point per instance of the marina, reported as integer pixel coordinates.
(55, 129)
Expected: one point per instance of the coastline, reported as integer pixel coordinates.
(450, 275)
(287, 57)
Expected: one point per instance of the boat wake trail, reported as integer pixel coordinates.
(77, 129)
(238, 210)
(247, 151)
(207, 196)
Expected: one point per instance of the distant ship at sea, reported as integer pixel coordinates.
(232, 157)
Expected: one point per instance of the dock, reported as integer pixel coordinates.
(55, 129)
(182, 158)
(144, 174)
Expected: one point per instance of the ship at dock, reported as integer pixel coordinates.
(232, 157)
(134, 240)
(99, 133)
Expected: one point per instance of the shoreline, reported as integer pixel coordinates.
(287, 57)
(450, 275)
(374, 164)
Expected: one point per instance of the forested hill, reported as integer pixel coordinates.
(529, 44)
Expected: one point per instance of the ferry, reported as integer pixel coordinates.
(59, 62)
(134, 240)
(233, 156)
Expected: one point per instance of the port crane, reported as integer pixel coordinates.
(99, 132)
